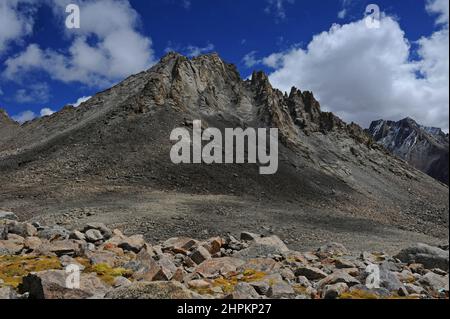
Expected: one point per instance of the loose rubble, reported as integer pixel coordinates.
(95, 262)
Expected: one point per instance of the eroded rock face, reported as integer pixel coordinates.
(425, 148)
(430, 257)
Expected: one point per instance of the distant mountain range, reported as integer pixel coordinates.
(425, 148)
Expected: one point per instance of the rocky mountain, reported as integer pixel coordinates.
(425, 148)
(108, 161)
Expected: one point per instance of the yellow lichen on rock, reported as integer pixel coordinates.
(14, 268)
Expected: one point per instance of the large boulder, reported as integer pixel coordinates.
(153, 290)
(429, 256)
(52, 284)
(7, 215)
(263, 247)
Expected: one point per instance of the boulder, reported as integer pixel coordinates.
(7, 215)
(249, 236)
(153, 290)
(243, 290)
(334, 291)
(312, 273)
(388, 279)
(263, 247)
(7, 293)
(435, 282)
(429, 256)
(105, 231)
(52, 233)
(339, 276)
(199, 255)
(133, 243)
(52, 284)
(218, 266)
(280, 290)
(21, 229)
(93, 235)
(179, 245)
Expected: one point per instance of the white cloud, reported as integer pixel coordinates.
(15, 22)
(46, 111)
(120, 50)
(24, 116)
(440, 7)
(277, 8)
(190, 50)
(193, 51)
(342, 14)
(35, 93)
(250, 59)
(80, 101)
(365, 74)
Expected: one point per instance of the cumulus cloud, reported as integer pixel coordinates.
(80, 101)
(250, 59)
(46, 111)
(24, 116)
(107, 47)
(441, 8)
(16, 22)
(365, 74)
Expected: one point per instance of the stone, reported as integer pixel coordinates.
(103, 257)
(153, 290)
(334, 291)
(429, 256)
(338, 276)
(388, 279)
(7, 293)
(261, 287)
(199, 255)
(77, 235)
(52, 233)
(435, 282)
(341, 263)
(121, 282)
(280, 290)
(7, 215)
(213, 245)
(11, 247)
(21, 229)
(249, 236)
(215, 267)
(51, 284)
(167, 269)
(262, 247)
(243, 290)
(312, 273)
(60, 247)
(32, 243)
(414, 289)
(105, 231)
(133, 243)
(179, 245)
(93, 235)
(331, 250)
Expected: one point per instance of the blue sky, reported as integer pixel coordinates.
(44, 66)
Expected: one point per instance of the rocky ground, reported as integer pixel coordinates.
(39, 261)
